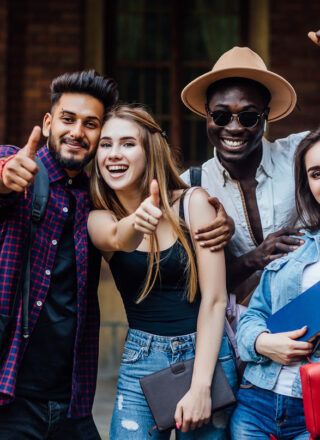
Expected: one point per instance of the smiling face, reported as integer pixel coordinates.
(234, 142)
(312, 164)
(73, 128)
(121, 156)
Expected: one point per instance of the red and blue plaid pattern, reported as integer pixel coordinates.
(14, 221)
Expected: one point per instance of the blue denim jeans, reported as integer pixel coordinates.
(261, 412)
(26, 419)
(144, 354)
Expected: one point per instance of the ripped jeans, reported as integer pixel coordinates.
(145, 353)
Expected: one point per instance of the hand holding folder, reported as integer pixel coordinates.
(301, 311)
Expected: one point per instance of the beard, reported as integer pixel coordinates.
(71, 163)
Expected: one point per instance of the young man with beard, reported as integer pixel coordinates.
(47, 381)
(252, 177)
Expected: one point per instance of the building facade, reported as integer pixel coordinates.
(153, 49)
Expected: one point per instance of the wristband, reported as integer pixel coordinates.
(3, 163)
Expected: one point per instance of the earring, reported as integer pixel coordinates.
(265, 125)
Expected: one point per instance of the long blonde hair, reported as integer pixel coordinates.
(160, 166)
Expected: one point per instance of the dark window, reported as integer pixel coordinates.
(154, 48)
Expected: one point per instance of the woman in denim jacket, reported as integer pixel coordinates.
(270, 398)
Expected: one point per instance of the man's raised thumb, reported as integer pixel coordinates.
(154, 193)
(32, 145)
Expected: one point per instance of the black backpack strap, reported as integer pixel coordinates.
(181, 209)
(195, 176)
(39, 204)
(40, 193)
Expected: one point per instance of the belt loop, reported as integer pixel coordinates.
(146, 348)
(194, 340)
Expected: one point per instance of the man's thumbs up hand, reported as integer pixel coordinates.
(32, 145)
(19, 172)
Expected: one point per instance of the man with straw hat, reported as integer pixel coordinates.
(252, 177)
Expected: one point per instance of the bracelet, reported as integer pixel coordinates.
(3, 163)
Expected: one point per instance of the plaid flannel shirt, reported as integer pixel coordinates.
(14, 222)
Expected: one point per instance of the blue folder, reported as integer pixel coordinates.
(303, 310)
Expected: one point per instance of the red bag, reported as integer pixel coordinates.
(310, 382)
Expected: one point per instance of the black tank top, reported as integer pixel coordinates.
(166, 310)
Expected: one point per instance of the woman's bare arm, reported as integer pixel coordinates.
(195, 407)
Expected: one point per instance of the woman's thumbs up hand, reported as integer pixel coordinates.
(149, 213)
(154, 193)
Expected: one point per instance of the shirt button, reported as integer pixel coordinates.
(65, 209)
(48, 272)
(39, 303)
(54, 242)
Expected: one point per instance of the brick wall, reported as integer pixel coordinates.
(45, 39)
(39, 39)
(295, 57)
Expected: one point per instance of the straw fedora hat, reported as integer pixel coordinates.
(244, 63)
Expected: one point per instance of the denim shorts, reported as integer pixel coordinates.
(144, 354)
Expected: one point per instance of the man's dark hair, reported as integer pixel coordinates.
(308, 208)
(88, 82)
(226, 82)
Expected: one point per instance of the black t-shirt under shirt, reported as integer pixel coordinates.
(46, 369)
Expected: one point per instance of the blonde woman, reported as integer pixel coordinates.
(173, 313)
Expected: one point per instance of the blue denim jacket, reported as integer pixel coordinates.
(279, 284)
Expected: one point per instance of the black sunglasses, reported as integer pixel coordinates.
(246, 118)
